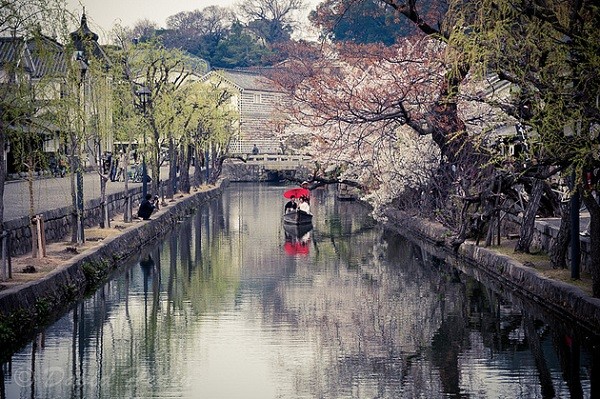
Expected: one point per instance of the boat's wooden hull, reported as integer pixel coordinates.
(297, 218)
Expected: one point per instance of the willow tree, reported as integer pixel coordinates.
(23, 122)
(160, 72)
(96, 104)
(549, 52)
(204, 118)
(217, 126)
(207, 124)
(25, 135)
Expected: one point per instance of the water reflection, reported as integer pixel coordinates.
(297, 239)
(219, 310)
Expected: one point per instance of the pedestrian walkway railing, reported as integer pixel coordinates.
(277, 161)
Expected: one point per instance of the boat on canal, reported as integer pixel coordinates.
(297, 218)
(294, 216)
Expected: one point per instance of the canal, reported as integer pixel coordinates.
(232, 305)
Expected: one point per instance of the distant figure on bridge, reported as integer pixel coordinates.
(255, 150)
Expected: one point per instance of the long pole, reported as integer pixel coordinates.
(144, 171)
(575, 243)
(80, 230)
(79, 162)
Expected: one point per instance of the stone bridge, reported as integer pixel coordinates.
(279, 161)
(268, 167)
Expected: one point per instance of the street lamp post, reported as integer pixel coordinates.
(144, 95)
(77, 162)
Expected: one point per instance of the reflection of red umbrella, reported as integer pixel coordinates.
(297, 192)
(296, 248)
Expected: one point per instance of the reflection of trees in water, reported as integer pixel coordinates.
(400, 324)
(365, 320)
(384, 319)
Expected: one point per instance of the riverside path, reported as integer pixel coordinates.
(55, 192)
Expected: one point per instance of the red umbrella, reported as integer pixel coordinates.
(297, 192)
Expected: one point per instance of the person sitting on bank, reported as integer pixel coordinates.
(291, 205)
(303, 206)
(148, 206)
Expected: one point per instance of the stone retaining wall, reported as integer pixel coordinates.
(245, 172)
(57, 222)
(569, 302)
(26, 307)
(545, 235)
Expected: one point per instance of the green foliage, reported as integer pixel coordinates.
(239, 49)
(95, 273)
(550, 55)
(12, 331)
(362, 22)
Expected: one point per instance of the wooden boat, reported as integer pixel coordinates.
(297, 218)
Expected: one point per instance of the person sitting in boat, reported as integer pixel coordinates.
(291, 205)
(303, 205)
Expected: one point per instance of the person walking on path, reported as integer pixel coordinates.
(121, 167)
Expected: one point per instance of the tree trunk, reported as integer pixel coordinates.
(74, 219)
(558, 252)
(198, 166)
(173, 161)
(185, 159)
(128, 205)
(492, 212)
(3, 172)
(464, 224)
(594, 258)
(105, 221)
(528, 224)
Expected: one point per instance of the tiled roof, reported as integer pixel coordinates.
(48, 57)
(248, 80)
(10, 49)
(11, 52)
(39, 57)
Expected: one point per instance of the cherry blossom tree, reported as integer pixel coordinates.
(547, 51)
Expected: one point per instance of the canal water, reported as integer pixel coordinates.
(232, 305)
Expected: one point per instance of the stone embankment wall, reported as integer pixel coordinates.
(24, 308)
(242, 172)
(568, 301)
(57, 222)
(544, 237)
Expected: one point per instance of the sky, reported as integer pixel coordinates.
(102, 15)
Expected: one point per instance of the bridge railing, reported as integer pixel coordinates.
(277, 161)
(245, 146)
